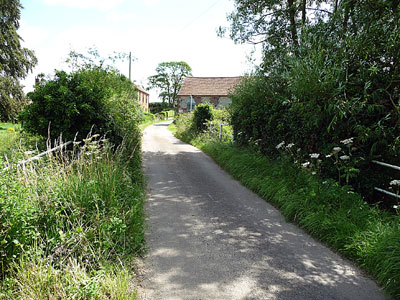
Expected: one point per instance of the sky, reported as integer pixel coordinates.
(154, 31)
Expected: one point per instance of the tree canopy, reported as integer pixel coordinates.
(15, 60)
(169, 78)
(330, 71)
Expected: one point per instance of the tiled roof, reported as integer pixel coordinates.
(208, 86)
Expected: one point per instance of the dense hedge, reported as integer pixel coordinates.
(203, 112)
(166, 114)
(72, 104)
(336, 85)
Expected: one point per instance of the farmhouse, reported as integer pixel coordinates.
(214, 90)
(143, 98)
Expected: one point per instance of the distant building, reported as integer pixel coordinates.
(213, 90)
(143, 98)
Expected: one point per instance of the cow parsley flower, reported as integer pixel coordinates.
(344, 157)
(289, 145)
(395, 182)
(280, 145)
(306, 164)
(314, 155)
(337, 149)
(347, 141)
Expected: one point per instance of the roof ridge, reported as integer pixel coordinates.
(214, 76)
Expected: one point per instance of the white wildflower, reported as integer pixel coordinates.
(395, 182)
(395, 206)
(290, 145)
(337, 149)
(298, 150)
(347, 141)
(280, 145)
(329, 155)
(314, 155)
(313, 173)
(344, 157)
(306, 164)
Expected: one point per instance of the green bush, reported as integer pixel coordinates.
(90, 99)
(203, 112)
(170, 113)
(337, 82)
(161, 115)
(156, 107)
(148, 117)
(184, 127)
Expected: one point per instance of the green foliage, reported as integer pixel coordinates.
(163, 115)
(37, 278)
(149, 117)
(184, 127)
(86, 208)
(203, 112)
(9, 133)
(157, 107)
(88, 99)
(15, 61)
(340, 80)
(168, 79)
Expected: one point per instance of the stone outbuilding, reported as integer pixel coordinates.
(214, 90)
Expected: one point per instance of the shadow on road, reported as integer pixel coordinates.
(210, 236)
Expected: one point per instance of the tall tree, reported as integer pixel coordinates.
(169, 78)
(15, 60)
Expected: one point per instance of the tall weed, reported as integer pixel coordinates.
(85, 206)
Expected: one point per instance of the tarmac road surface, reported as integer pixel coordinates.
(209, 237)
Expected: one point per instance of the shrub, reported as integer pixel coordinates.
(184, 127)
(157, 107)
(203, 112)
(91, 98)
(149, 117)
(161, 115)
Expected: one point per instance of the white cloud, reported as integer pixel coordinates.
(103, 5)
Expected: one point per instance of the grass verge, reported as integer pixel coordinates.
(71, 225)
(329, 212)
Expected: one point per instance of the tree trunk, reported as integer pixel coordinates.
(292, 15)
(303, 12)
(348, 7)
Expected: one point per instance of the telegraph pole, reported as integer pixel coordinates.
(130, 60)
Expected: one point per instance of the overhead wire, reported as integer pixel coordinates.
(200, 15)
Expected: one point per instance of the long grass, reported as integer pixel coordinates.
(68, 217)
(9, 134)
(331, 213)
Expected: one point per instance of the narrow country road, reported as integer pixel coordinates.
(210, 238)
